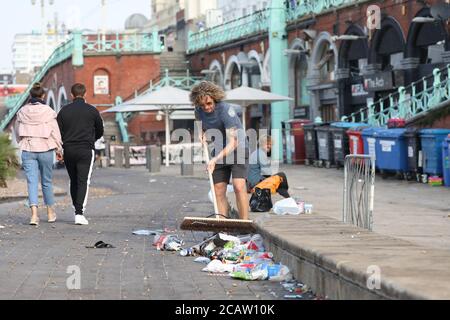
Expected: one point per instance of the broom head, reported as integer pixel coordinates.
(218, 225)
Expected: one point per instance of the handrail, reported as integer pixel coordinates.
(61, 53)
(229, 31)
(408, 102)
(91, 43)
(315, 7)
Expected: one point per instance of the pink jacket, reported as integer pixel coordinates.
(37, 129)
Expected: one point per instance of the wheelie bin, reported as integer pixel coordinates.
(325, 146)
(311, 150)
(369, 140)
(432, 140)
(391, 152)
(341, 140)
(355, 139)
(414, 154)
(446, 161)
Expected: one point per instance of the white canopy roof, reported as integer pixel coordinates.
(246, 96)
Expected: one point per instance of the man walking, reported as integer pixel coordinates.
(81, 126)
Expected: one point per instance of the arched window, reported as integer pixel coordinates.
(327, 63)
(300, 74)
(236, 79)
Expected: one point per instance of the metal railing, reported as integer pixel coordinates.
(61, 53)
(255, 23)
(408, 102)
(116, 43)
(359, 191)
(300, 8)
(91, 44)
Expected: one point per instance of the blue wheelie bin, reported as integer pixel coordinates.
(392, 151)
(369, 140)
(446, 161)
(432, 140)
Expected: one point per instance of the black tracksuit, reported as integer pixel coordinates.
(80, 125)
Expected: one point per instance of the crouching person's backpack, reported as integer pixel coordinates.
(261, 200)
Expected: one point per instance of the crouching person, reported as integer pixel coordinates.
(262, 181)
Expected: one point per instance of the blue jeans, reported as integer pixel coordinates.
(35, 163)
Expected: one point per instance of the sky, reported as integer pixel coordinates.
(20, 16)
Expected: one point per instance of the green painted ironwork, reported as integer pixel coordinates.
(258, 22)
(121, 43)
(301, 8)
(61, 53)
(11, 101)
(80, 45)
(255, 23)
(409, 102)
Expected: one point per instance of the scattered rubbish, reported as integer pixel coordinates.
(202, 260)
(101, 245)
(300, 188)
(288, 296)
(436, 181)
(2, 227)
(216, 266)
(153, 180)
(147, 232)
(168, 243)
(186, 252)
(308, 209)
(286, 207)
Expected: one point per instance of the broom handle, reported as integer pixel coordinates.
(211, 182)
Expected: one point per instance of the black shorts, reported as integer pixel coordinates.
(224, 172)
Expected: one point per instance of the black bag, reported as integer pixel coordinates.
(261, 200)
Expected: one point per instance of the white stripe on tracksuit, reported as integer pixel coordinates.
(89, 181)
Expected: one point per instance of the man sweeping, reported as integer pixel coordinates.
(221, 124)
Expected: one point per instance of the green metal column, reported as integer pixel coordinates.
(77, 56)
(279, 73)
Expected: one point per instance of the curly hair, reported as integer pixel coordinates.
(204, 89)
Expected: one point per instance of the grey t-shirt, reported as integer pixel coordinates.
(260, 166)
(216, 124)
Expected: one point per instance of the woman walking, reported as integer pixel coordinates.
(39, 138)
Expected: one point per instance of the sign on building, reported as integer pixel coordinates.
(379, 82)
(101, 84)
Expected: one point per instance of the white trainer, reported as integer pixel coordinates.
(81, 220)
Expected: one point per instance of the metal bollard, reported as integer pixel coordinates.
(153, 155)
(127, 155)
(118, 158)
(187, 161)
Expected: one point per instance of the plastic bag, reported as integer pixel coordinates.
(216, 266)
(279, 273)
(256, 243)
(286, 206)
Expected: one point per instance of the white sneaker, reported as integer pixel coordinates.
(81, 220)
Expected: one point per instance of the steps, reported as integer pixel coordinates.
(175, 62)
(112, 129)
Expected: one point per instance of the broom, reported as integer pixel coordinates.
(219, 223)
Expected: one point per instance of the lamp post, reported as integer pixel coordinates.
(43, 25)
